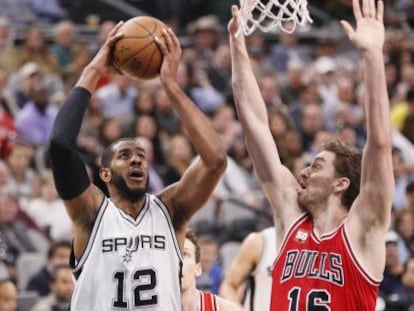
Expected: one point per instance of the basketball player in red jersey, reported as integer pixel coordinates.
(331, 224)
(193, 299)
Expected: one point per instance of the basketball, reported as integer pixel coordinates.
(136, 54)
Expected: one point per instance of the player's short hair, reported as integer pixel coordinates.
(190, 234)
(108, 152)
(347, 163)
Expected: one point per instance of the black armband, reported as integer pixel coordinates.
(69, 172)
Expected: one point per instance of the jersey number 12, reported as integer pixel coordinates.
(146, 281)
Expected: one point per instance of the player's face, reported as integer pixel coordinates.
(317, 180)
(191, 269)
(8, 297)
(129, 170)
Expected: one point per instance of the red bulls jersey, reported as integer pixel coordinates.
(312, 273)
(208, 302)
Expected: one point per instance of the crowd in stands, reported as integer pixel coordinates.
(313, 93)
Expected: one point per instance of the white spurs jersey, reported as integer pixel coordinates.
(129, 264)
(260, 280)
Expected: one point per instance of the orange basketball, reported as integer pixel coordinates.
(136, 54)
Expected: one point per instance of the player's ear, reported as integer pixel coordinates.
(105, 174)
(341, 184)
(198, 270)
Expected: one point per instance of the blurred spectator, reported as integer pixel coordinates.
(48, 11)
(293, 84)
(225, 123)
(19, 12)
(110, 130)
(64, 43)
(61, 290)
(402, 178)
(219, 70)
(15, 237)
(408, 124)
(48, 210)
(35, 49)
(165, 115)
(8, 296)
(7, 100)
(310, 124)
(205, 32)
(404, 226)
(8, 50)
(409, 196)
(391, 284)
(269, 88)
(28, 76)
(145, 103)
(7, 126)
(288, 48)
(81, 57)
(57, 255)
(205, 96)
(23, 181)
(117, 98)
(34, 121)
(178, 157)
(212, 274)
(146, 126)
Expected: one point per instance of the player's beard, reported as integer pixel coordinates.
(126, 192)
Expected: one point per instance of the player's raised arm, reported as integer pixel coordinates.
(200, 179)
(241, 267)
(370, 215)
(81, 197)
(278, 183)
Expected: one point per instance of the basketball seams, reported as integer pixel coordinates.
(136, 53)
(150, 62)
(151, 33)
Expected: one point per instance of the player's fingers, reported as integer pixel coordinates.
(168, 39)
(348, 28)
(357, 9)
(175, 40)
(380, 11)
(371, 8)
(365, 7)
(161, 45)
(115, 29)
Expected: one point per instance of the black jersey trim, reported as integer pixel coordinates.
(164, 210)
(137, 220)
(78, 266)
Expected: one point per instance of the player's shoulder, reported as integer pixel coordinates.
(226, 305)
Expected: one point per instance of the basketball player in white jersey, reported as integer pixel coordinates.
(253, 263)
(127, 248)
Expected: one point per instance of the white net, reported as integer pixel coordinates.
(266, 15)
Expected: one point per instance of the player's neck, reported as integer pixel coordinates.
(132, 208)
(190, 300)
(328, 220)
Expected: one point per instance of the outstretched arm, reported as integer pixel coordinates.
(241, 267)
(370, 215)
(81, 197)
(199, 180)
(277, 181)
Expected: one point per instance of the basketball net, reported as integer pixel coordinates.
(285, 14)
